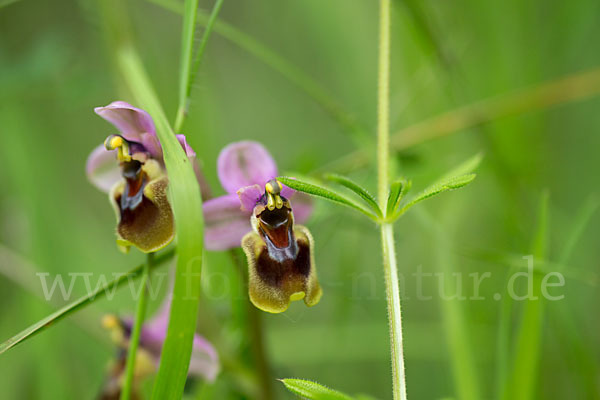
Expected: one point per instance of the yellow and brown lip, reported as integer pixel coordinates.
(144, 215)
(280, 260)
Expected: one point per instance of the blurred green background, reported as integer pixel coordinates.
(56, 66)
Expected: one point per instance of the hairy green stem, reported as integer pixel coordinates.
(394, 310)
(383, 102)
(387, 229)
(134, 340)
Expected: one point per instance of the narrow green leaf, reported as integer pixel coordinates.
(187, 54)
(522, 383)
(455, 316)
(356, 188)
(200, 53)
(466, 167)
(80, 303)
(187, 209)
(324, 193)
(189, 69)
(437, 188)
(288, 70)
(574, 339)
(397, 191)
(312, 390)
(580, 223)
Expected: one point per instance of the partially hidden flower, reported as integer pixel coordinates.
(204, 362)
(130, 167)
(257, 213)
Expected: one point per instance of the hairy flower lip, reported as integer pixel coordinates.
(275, 281)
(137, 182)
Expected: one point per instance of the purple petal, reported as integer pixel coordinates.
(245, 164)
(249, 196)
(133, 123)
(186, 147)
(102, 168)
(225, 223)
(302, 206)
(205, 361)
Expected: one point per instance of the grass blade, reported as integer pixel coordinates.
(312, 390)
(522, 382)
(356, 188)
(187, 54)
(187, 209)
(454, 314)
(584, 365)
(288, 70)
(189, 70)
(325, 193)
(134, 340)
(80, 303)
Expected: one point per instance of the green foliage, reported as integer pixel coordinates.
(456, 178)
(397, 191)
(134, 340)
(441, 187)
(189, 68)
(312, 390)
(261, 82)
(362, 192)
(186, 202)
(325, 193)
(80, 303)
(464, 168)
(521, 382)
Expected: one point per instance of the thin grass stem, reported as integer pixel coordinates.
(190, 65)
(134, 340)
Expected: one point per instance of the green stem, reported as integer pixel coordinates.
(189, 69)
(99, 293)
(287, 69)
(394, 310)
(387, 229)
(134, 340)
(187, 52)
(383, 102)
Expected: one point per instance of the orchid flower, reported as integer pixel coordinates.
(257, 214)
(130, 167)
(204, 362)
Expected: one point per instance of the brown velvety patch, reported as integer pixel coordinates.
(275, 273)
(149, 225)
(278, 276)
